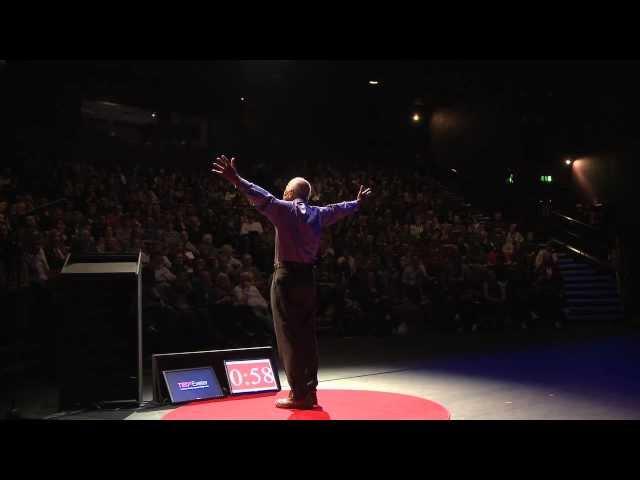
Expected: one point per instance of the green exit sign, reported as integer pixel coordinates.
(546, 179)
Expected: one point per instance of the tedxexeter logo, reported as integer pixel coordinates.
(193, 385)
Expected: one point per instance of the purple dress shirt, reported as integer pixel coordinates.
(298, 225)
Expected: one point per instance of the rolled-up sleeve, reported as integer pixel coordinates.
(264, 202)
(330, 214)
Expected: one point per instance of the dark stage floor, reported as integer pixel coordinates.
(578, 373)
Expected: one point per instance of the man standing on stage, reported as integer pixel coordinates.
(298, 227)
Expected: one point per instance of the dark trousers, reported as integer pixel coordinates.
(293, 303)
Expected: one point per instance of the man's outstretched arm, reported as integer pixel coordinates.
(330, 214)
(261, 199)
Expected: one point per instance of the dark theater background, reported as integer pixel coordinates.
(547, 146)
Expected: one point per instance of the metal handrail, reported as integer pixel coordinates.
(573, 220)
(582, 253)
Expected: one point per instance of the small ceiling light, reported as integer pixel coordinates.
(373, 82)
(154, 115)
(416, 117)
(568, 161)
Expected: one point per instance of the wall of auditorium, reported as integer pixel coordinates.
(474, 139)
(482, 143)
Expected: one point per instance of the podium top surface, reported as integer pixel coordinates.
(111, 267)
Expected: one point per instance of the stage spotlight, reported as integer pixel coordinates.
(416, 117)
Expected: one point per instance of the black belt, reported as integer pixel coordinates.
(298, 266)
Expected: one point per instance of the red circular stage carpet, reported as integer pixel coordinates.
(334, 405)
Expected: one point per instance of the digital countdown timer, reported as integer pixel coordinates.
(247, 376)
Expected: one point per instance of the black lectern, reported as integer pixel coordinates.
(100, 339)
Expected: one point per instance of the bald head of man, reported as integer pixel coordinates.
(297, 187)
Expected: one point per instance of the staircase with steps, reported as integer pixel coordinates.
(589, 294)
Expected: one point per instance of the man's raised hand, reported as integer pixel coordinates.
(226, 169)
(363, 193)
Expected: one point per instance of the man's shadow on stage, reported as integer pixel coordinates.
(316, 413)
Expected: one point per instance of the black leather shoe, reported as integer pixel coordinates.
(306, 403)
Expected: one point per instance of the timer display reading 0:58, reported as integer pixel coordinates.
(246, 376)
